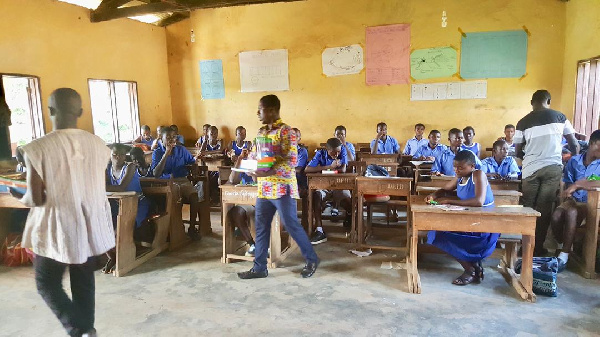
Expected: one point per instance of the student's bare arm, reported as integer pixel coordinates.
(160, 167)
(122, 187)
(446, 191)
(342, 169)
(374, 146)
(480, 187)
(573, 144)
(349, 154)
(35, 195)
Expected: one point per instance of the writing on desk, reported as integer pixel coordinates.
(242, 194)
(395, 186)
(344, 180)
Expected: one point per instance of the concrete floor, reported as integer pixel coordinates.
(190, 293)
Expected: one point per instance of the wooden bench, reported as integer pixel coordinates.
(509, 220)
(586, 263)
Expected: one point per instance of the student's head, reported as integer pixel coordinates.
(205, 128)
(19, 156)
(509, 132)
(119, 153)
(469, 134)
(158, 130)
(268, 109)
(455, 137)
(382, 128)
(540, 100)
(500, 149)
(168, 136)
(240, 133)
(213, 133)
(298, 134)
(594, 144)
(137, 156)
(464, 163)
(340, 133)
(175, 128)
(419, 129)
(145, 130)
(434, 137)
(65, 108)
(334, 147)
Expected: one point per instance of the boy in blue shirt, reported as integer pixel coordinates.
(331, 158)
(180, 139)
(445, 166)
(384, 144)
(301, 177)
(415, 143)
(570, 214)
(469, 135)
(340, 133)
(433, 150)
(240, 215)
(500, 165)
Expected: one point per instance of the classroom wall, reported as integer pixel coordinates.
(581, 42)
(57, 42)
(316, 104)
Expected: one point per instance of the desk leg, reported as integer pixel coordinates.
(125, 248)
(177, 236)
(360, 231)
(310, 212)
(590, 241)
(228, 239)
(354, 215)
(414, 280)
(527, 268)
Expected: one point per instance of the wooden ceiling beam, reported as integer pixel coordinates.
(176, 17)
(151, 8)
(111, 4)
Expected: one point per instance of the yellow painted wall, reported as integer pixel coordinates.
(57, 42)
(581, 42)
(316, 104)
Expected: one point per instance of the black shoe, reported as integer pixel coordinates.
(194, 234)
(309, 269)
(348, 223)
(250, 274)
(318, 237)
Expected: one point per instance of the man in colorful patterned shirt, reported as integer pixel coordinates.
(277, 191)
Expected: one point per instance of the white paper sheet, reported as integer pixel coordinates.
(264, 70)
(448, 90)
(342, 60)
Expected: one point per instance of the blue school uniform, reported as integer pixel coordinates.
(246, 179)
(180, 139)
(427, 151)
(390, 146)
(446, 163)
(134, 185)
(508, 167)
(576, 170)
(213, 147)
(466, 246)
(147, 142)
(475, 148)
(322, 158)
(302, 161)
(238, 150)
(413, 145)
(175, 165)
(351, 148)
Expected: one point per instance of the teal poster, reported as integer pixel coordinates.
(211, 79)
(493, 54)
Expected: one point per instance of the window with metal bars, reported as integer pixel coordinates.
(587, 97)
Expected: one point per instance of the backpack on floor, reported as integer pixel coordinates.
(376, 171)
(544, 275)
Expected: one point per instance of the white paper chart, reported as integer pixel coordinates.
(264, 70)
(343, 60)
(448, 90)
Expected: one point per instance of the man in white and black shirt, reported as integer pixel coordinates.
(538, 141)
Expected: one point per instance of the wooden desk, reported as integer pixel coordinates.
(232, 195)
(501, 197)
(340, 181)
(509, 220)
(378, 159)
(587, 262)
(496, 184)
(224, 173)
(213, 164)
(393, 186)
(8, 201)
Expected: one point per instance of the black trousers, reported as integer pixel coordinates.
(77, 313)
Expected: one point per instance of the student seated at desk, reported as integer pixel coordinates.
(509, 134)
(500, 165)
(169, 161)
(301, 177)
(204, 135)
(331, 158)
(139, 159)
(340, 133)
(472, 189)
(433, 150)
(240, 215)
(239, 144)
(120, 177)
(180, 139)
(21, 167)
(384, 144)
(212, 147)
(415, 143)
(159, 132)
(569, 215)
(469, 144)
(145, 137)
(445, 164)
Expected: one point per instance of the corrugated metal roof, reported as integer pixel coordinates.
(148, 18)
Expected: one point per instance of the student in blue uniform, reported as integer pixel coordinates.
(384, 144)
(569, 215)
(415, 143)
(145, 137)
(204, 136)
(139, 159)
(340, 133)
(240, 215)
(433, 150)
(156, 142)
(445, 164)
(180, 139)
(301, 176)
(509, 134)
(500, 165)
(469, 188)
(469, 143)
(331, 158)
(240, 143)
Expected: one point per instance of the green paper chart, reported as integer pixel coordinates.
(433, 63)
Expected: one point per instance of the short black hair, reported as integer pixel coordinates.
(333, 143)
(381, 124)
(420, 124)
(467, 128)
(340, 128)
(594, 137)
(465, 156)
(137, 154)
(454, 131)
(145, 127)
(509, 126)
(175, 128)
(271, 101)
(239, 128)
(120, 148)
(19, 155)
(206, 125)
(165, 130)
(434, 131)
(214, 129)
(499, 143)
(541, 96)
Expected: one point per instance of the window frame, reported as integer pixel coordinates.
(587, 77)
(133, 100)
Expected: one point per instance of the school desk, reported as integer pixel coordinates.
(509, 220)
(586, 263)
(392, 186)
(338, 181)
(232, 195)
(496, 184)
(501, 197)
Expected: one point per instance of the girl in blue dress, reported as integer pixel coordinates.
(145, 137)
(472, 189)
(239, 144)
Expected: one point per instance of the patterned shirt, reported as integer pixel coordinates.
(283, 182)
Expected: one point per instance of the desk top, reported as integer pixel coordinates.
(387, 179)
(332, 175)
(491, 181)
(491, 211)
(8, 201)
(495, 192)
